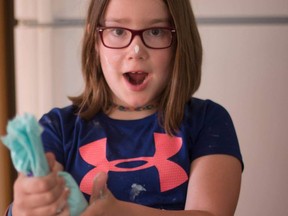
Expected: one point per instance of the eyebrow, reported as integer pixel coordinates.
(126, 20)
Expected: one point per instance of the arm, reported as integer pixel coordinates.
(214, 184)
(213, 190)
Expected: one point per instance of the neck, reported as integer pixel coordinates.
(131, 113)
(134, 109)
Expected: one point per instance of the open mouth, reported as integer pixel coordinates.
(135, 78)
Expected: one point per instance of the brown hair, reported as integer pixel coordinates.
(185, 77)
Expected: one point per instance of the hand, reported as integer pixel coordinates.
(41, 195)
(102, 201)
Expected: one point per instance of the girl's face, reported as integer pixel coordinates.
(135, 74)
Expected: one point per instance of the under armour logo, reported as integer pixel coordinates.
(171, 175)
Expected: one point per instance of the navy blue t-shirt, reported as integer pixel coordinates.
(144, 164)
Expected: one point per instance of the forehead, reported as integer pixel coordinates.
(136, 12)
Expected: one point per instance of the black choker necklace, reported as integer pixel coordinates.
(130, 109)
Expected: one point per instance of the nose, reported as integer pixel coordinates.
(137, 49)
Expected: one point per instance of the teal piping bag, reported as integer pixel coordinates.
(24, 141)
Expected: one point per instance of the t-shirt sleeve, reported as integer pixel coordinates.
(52, 135)
(216, 134)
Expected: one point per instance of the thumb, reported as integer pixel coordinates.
(52, 162)
(99, 187)
(50, 159)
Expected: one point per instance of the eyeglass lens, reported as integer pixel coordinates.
(120, 37)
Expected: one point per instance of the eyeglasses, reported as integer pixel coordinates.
(154, 38)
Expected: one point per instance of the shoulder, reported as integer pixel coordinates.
(203, 111)
(196, 105)
(59, 117)
(65, 112)
(210, 129)
(206, 115)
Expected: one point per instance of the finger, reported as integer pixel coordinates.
(57, 167)
(28, 200)
(65, 211)
(99, 186)
(46, 198)
(59, 207)
(50, 159)
(63, 206)
(30, 185)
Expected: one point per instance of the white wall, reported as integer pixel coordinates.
(246, 70)
(48, 53)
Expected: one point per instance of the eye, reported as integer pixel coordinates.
(117, 31)
(155, 32)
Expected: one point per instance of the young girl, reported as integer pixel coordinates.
(135, 140)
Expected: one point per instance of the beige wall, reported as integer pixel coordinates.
(246, 70)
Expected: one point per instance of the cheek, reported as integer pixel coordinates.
(165, 62)
(110, 61)
(167, 68)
